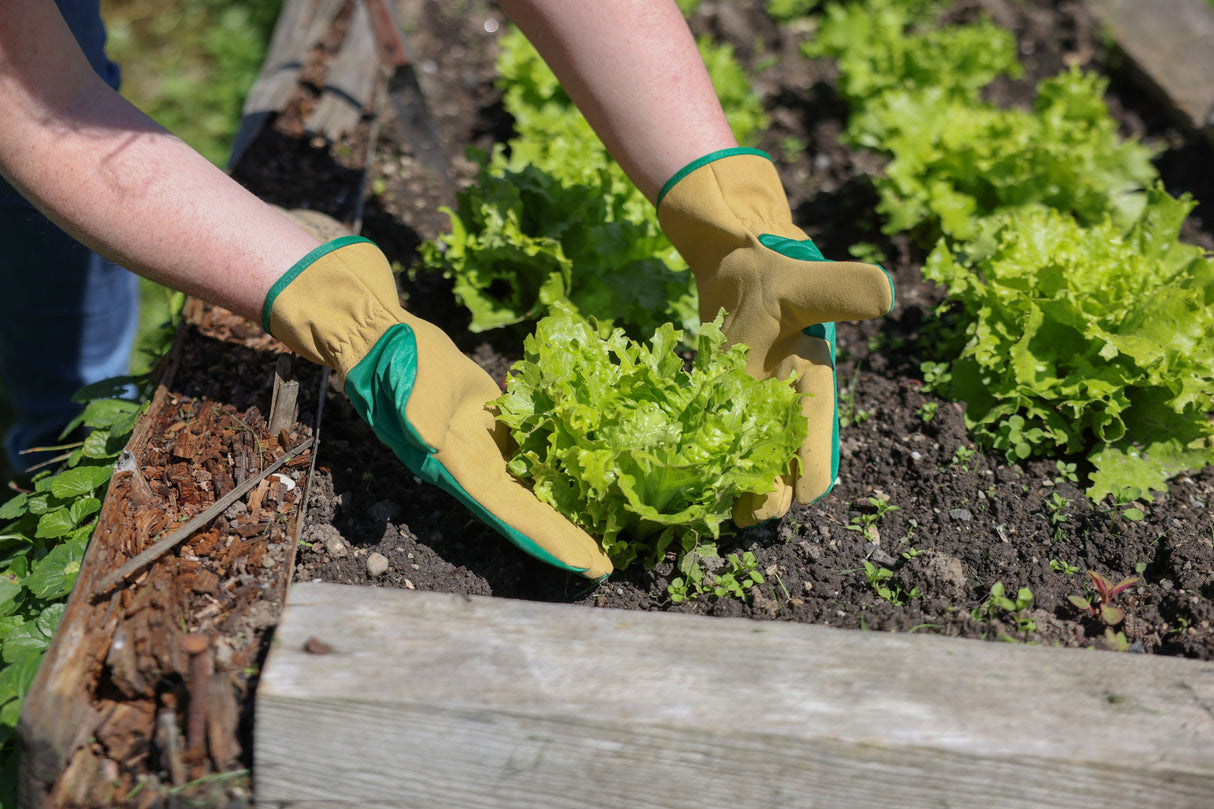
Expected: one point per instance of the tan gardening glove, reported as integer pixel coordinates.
(728, 215)
(424, 398)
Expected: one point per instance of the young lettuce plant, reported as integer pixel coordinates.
(641, 450)
(552, 218)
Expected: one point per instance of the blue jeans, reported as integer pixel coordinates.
(68, 318)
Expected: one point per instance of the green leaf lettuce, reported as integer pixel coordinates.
(636, 448)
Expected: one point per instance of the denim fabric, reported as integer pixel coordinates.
(67, 317)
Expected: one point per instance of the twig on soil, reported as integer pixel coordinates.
(145, 558)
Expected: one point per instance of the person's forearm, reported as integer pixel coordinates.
(634, 71)
(123, 185)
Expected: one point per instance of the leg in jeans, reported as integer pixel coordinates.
(67, 319)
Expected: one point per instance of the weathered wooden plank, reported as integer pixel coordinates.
(88, 721)
(1171, 44)
(56, 715)
(374, 697)
(300, 27)
(350, 82)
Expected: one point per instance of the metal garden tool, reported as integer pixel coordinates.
(405, 93)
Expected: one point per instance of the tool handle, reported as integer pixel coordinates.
(387, 33)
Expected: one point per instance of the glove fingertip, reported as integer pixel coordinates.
(753, 509)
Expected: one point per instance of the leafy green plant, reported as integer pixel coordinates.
(45, 531)
(1002, 607)
(1085, 339)
(553, 219)
(866, 522)
(1098, 602)
(523, 240)
(927, 411)
(915, 92)
(1076, 321)
(881, 580)
(640, 450)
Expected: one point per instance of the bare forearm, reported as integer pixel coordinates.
(122, 184)
(633, 69)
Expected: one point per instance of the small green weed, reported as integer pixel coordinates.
(865, 524)
(1057, 513)
(731, 579)
(849, 413)
(1125, 504)
(927, 411)
(1066, 472)
(1063, 567)
(880, 579)
(963, 456)
(999, 606)
(1056, 508)
(935, 375)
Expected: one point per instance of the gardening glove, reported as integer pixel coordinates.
(727, 214)
(424, 398)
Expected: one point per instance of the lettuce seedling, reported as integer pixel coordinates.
(642, 450)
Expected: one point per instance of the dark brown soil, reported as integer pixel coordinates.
(964, 520)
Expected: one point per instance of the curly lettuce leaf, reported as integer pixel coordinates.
(552, 218)
(916, 96)
(636, 448)
(1086, 339)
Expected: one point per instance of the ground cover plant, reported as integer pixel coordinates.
(46, 530)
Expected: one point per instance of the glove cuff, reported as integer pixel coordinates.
(712, 157)
(724, 202)
(334, 304)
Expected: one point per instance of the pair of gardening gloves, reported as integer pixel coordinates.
(728, 216)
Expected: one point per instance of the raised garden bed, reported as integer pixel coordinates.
(974, 520)
(978, 519)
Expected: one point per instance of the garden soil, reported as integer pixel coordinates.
(959, 521)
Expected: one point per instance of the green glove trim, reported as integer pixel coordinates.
(703, 161)
(806, 250)
(379, 388)
(299, 266)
